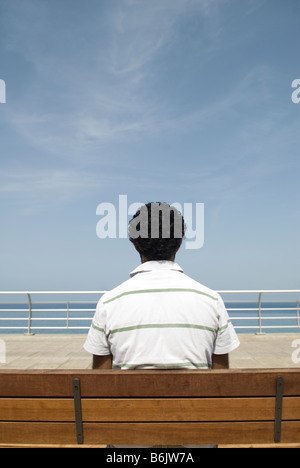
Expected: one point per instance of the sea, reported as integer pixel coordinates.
(74, 317)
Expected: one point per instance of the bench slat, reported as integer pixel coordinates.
(189, 433)
(148, 409)
(148, 383)
(148, 433)
(37, 433)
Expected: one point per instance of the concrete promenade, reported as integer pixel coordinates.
(66, 351)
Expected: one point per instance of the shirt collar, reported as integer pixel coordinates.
(156, 265)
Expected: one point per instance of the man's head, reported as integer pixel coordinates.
(157, 230)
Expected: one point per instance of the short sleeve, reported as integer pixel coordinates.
(227, 339)
(96, 341)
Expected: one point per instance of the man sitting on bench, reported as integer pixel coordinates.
(160, 318)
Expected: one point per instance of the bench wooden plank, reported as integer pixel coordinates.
(147, 433)
(148, 409)
(247, 446)
(112, 383)
(82, 446)
(37, 409)
(37, 433)
(189, 433)
(205, 409)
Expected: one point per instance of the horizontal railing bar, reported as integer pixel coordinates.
(264, 318)
(243, 318)
(15, 310)
(89, 318)
(263, 309)
(91, 309)
(43, 319)
(51, 292)
(264, 326)
(53, 310)
(50, 302)
(60, 328)
(95, 302)
(269, 301)
(235, 291)
(45, 328)
(237, 309)
(279, 318)
(256, 291)
(62, 310)
(279, 326)
(246, 327)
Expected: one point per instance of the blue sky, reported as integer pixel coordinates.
(184, 101)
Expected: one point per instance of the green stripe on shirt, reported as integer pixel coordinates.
(142, 291)
(97, 328)
(170, 365)
(163, 325)
(225, 326)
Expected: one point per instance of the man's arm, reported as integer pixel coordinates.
(220, 361)
(102, 362)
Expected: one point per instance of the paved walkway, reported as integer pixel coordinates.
(66, 352)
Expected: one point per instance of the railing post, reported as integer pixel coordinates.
(298, 318)
(29, 333)
(260, 332)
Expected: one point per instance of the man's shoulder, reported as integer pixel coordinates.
(194, 284)
(116, 291)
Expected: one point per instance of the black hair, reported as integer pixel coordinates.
(157, 230)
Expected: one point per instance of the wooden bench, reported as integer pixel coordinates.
(89, 408)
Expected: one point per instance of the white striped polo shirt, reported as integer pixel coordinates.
(161, 319)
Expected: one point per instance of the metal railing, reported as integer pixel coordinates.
(58, 313)
(252, 311)
(260, 313)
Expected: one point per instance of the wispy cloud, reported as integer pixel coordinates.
(62, 182)
(97, 88)
(30, 193)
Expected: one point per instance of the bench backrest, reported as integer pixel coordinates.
(66, 407)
